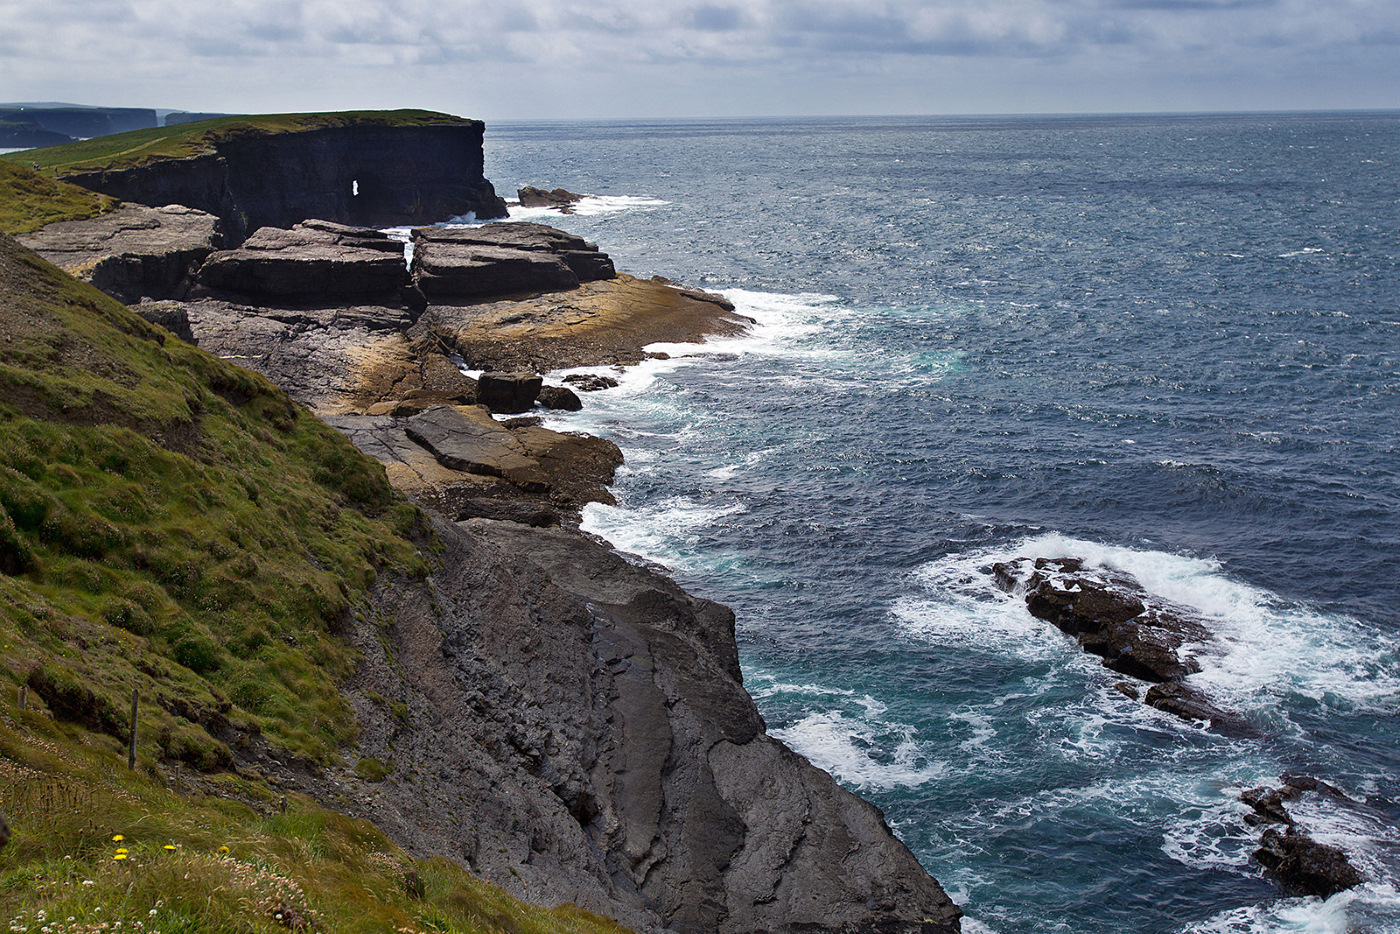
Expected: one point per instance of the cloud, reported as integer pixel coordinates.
(797, 55)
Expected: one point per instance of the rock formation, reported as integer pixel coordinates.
(135, 252)
(1111, 615)
(373, 174)
(316, 260)
(1300, 864)
(500, 259)
(560, 199)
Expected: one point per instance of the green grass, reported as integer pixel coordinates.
(173, 523)
(124, 150)
(28, 200)
(215, 857)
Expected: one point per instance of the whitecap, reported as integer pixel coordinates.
(849, 748)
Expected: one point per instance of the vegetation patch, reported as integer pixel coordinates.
(125, 150)
(101, 849)
(29, 199)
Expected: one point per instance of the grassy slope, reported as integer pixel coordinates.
(172, 523)
(123, 150)
(28, 200)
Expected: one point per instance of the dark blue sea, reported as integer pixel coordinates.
(1170, 344)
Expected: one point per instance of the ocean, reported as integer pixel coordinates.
(1166, 343)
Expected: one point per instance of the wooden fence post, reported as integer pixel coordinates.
(131, 752)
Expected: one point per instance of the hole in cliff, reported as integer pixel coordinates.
(355, 188)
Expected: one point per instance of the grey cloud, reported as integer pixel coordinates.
(715, 18)
(1191, 6)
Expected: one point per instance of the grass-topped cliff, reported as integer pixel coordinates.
(124, 150)
(30, 200)
(173, 524)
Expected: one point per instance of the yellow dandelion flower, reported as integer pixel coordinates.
(122, 850)
(223, 849)
(169, 848)
(119, 856)
(118, 838)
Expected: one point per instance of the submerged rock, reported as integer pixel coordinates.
(1300, 864)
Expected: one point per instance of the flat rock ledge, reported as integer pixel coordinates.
(503, 259)
(135, 252)
(314, 260)
(1136, 633)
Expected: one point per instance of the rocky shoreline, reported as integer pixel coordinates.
(570, 726)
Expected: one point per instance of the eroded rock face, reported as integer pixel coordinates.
(593, 717)
(364, 174)
(135, 252)
(315, 261)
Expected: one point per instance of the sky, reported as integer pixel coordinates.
(552, 59)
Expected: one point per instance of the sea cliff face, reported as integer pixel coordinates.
(372, 175)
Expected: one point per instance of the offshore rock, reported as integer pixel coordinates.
(1136, 633)
(1110, 614)
(315, 260)
(560, 199)
(135, 252)
(560, 398)
(1300, 864)
(371, 173)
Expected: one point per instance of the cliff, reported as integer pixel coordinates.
(375, 169)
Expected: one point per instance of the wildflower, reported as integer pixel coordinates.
(118, 838)
(152, 912)
(119, 856)
(87, 882)
(169, 848)
(223, 850)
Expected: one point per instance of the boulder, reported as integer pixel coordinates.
(170, 315)
(468, 439)
(508, 393)
(135, 252)
(315, 261)
(559, 198)
(1110, 614)
(561, 398)
(1302, 866)
(504, 258)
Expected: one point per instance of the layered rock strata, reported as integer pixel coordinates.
(369, 174)
(501, 259)
(316, 260)
(135, 252)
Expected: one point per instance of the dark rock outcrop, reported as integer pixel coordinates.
(603, 751)
(559, 198)
(1136, 633)
(560, 398)
(508, 393)
(1300, 864)
(135, 252)
(371, 174)
(501, 259)
(590, 382)
(315, 260)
